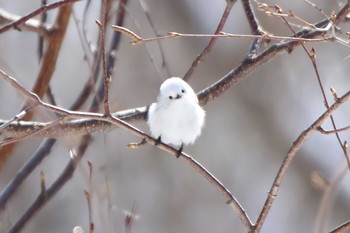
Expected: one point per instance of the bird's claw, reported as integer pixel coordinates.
(179, 151)
(159, 140)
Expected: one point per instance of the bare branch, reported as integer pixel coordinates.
(321, 130)
(46, 196)
(39, 11)
(24, 172)
(43, 19)
(202, 55)
(172, 35)
(31, 25)
(330, 190)
(289, 158)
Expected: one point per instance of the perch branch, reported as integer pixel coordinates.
(113, 120)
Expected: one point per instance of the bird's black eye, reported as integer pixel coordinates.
(183, 91)
(170, 97)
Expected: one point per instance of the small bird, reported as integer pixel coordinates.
(176, 118)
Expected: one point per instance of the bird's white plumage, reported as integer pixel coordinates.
(176, 116)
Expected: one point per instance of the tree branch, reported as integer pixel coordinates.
(31, 25)
(289, 158)
(17, 23)
(200, 57)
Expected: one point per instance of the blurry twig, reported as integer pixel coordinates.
(115, 41)
(129, 219)
(255, 28)
(31, 25)
(43, 19)
(163, 64)
(48, 193)
(89, 202)
(17, 23)
(201, 56)
(328, 197)
(24, 171)
(276, 10)
(136, 39)
(85, 44)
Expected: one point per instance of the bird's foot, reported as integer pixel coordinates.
(179, 151)
(159, 140)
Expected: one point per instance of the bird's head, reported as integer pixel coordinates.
(175, 88)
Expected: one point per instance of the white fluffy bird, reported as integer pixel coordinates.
(176, 118)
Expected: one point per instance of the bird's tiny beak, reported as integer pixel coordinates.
(178, 96)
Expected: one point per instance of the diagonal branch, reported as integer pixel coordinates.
(48, 193)
(31, 25)
(17, 23)
(289, 158)
(212, 41)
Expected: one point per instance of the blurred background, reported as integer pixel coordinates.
(248, 130)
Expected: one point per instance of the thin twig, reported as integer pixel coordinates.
(86, 47)
(255, 28)
(46, 196)
(39, 11)
(202, 55)
(31, 25)
(338, 130)
(162, 56)
(136, 39)
(24, 171)
(328, 197)
(313, 60)
(115, 41)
